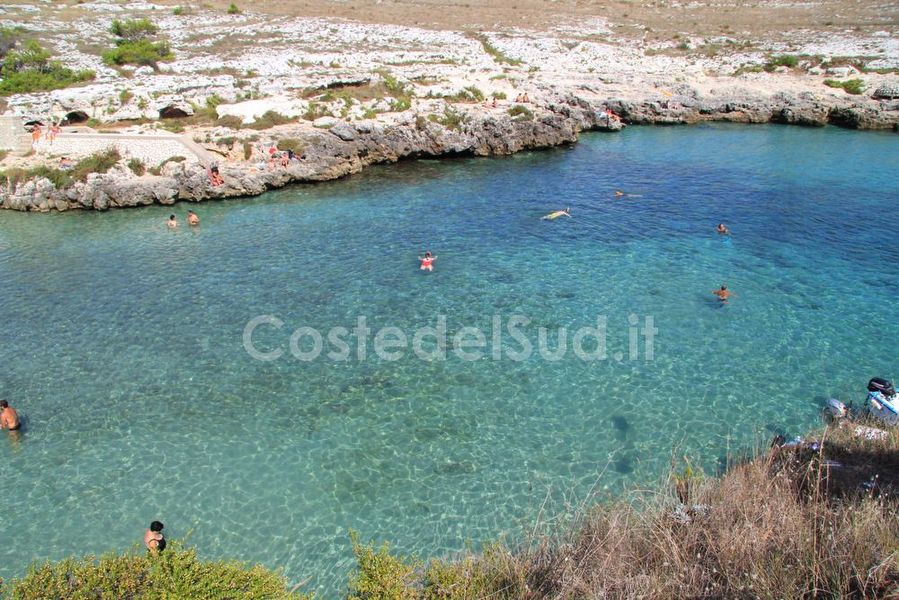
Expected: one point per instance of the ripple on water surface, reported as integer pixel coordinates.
(122, 342)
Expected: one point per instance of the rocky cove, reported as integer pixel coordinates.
(337, 149)
(349, 94)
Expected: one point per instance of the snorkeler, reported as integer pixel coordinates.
(723, 293)
(427, 261)
(556, 214)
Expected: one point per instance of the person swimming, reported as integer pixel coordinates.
(172, 222)
(723, 293)
(427, 261)
(192, 218)
(154, 539)
(722, 229)
(556, 214)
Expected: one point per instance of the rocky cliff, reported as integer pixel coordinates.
(346, 148)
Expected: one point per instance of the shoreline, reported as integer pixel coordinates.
(356, 89)
(334, 149)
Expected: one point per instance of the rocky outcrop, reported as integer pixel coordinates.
(803, 109)
(345, 148)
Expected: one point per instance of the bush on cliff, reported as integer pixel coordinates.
(851, 86)
(13, 177)
(784, 60)
(523, 112)
(175, 573)
(99, 162)
(32, 69)
(134, 46)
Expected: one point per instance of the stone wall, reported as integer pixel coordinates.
(13, 136)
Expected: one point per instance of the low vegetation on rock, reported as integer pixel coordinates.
(175, 573)
(29, 67)
(134, 44)
(850, 86)
(795, 522)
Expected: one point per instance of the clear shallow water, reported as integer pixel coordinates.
(121, 342)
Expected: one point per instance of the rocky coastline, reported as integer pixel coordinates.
(348, 94)
(342, 148)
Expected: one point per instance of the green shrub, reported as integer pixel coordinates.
(851, 86)
(379, 574)
(137, 166)
(315, 111)
(495, 52)
(467, 94)
(233, 10)
(125, 96)
(521, 111)
(141, 52)
(784, 60)
(25, 82)
(175, 573)
(32, 69)
(99, 162)
(134, 45)
(178, 11)
(9, 37)
(400, 104)
(500, 95)
(133, 29)
(451, 119)
(172, 125)
(230, 121)
(270, 119)
(60, 179)
(400, 92)
(291, 144)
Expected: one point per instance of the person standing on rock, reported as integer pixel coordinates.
(192, 218)
(172, 222)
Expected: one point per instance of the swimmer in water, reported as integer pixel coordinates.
(723, 293)
(620, 194)
(192, 218)
(427, 261)
(172, 222)
(557, 214)
(722, 229)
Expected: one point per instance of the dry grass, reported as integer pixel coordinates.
(657, 20)
(780, 526)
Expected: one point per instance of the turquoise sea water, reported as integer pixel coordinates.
(122, 342)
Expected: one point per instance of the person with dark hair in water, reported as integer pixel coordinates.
(153, 538)
(9, 418)
(722, 229)
(723, 293)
